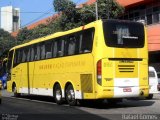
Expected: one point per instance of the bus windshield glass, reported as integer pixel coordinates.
(123, 34)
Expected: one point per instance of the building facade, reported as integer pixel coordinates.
(10, 18)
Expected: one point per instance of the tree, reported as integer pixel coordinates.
(6, 41)
(24, 34)
(72, 17)
(109, 9)
(63, 5)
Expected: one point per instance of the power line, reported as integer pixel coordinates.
(48, 11)
(23, 12)
(44, 13)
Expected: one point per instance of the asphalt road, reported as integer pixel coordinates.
(44, 108)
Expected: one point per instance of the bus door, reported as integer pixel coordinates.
(26, 70)
(32, 57)
(19, 71)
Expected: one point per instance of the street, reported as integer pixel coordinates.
(40, 108)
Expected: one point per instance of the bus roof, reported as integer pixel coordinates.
(57, 34)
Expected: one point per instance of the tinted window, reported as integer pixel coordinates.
(151, 74)
(10, 57)
(87, 40)
(32, 53)
(123, 34)
(55, 48)
(48, 46)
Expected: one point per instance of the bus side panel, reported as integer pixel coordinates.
(143, 73)
(41, 83)
(24, 78)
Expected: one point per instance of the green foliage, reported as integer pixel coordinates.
(24, 34)
(63, 5)
(72, 17)
(109, 9)
(6, 41)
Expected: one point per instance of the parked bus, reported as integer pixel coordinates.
(102, 60)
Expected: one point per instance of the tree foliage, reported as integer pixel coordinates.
(24, 34)
(63, 5)
(73, 17)
(6, 41)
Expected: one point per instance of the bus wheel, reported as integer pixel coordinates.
(149, 97)
(14, 89)
(70, 95)
(58, 94)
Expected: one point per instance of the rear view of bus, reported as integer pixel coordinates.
(122, 60)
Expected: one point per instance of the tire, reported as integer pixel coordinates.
(70, 95)
(149, 97)
(14, 89)
(58, 94)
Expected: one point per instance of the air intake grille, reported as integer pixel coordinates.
(126, 68)
(86, 83)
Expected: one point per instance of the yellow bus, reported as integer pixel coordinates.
(105, 59)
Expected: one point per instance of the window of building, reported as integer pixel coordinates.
(149, 19)
(150, 14)
(156, 18)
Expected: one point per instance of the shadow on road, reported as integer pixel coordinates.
(98, 105)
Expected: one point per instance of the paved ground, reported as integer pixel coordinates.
(43, 108)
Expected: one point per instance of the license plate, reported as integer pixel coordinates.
(127, 90)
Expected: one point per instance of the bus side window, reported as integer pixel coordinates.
(9, 64)
(37, 52)
(28, 54)
(87, 40)
(19, 58)
(77, 43)
(32, 53)
(55, 48)
(80, 43)
(48, 46)
(24, 54)
(15, 58)
(43, 51)
(71, 45)
(61, 47)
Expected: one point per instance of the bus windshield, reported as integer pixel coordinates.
(123, 34)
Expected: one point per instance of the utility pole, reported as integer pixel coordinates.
(96, 7)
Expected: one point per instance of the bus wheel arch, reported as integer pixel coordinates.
(57, 93)
(70, 94)
(14, 90)
(13, 86)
